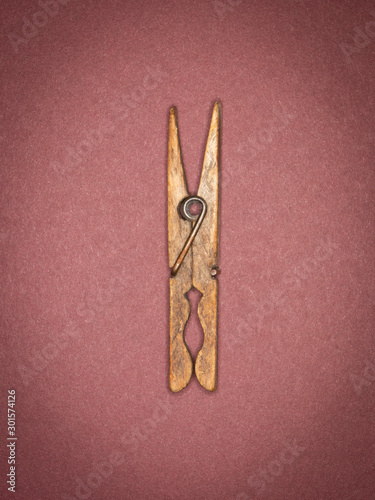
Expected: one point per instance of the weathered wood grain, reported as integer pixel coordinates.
(205, 257)
(200, 263)
(181, 365)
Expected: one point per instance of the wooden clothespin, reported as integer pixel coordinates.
(193, 257)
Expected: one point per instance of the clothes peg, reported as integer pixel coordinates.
(193, 257)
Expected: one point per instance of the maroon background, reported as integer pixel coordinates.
(83, 244)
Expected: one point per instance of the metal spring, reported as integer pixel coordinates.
(185, 212)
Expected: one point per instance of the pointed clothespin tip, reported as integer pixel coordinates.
(217, 107)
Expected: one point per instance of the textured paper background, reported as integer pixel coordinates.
(85, 95)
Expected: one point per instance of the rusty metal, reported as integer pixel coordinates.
(185, 212)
